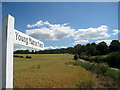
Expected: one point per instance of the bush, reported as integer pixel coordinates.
(91, 58)
(83, 55)
(99, 59)
(21, 56)
(76, 57)
(113, 74)
(28, 56)
(99, 69)
(15, 56)
(113, 59)
(87, 84)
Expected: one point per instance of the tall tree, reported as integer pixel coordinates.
(114, 46)
(102, 48)
(77, 49)
(91, 49)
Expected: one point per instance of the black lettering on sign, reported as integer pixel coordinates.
(32, 42)
(27, 41)
(16, 35)
(21, 38)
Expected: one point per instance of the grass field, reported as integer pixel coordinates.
(48, 71)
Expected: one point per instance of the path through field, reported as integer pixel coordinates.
(48, 71)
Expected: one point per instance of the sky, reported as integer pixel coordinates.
(65, 24)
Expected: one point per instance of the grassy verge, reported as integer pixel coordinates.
(102, 69)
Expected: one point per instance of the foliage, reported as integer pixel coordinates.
(28, 56)
(113, 59)
(84, 84)
(97, 59)
(77, 49)
(100, 58)
(102, 48)
(91, 49)
(21, 52)
(114, 46)
(83, 55)
(21, 56)
(75, 57)
(15, 55)
(18, 56)
(99, 69)
(114, 74)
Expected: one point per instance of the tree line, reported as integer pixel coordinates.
(91, 49)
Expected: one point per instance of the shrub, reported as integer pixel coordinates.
(91, 58)
(100, 68)
(113, 74)
(83, 55)
(99, 59)
(21, 56)
(76, 57)
(28, 56)
(87, 84)
(15, 56)
(113, 59)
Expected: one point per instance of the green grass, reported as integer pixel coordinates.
(114, 74)
(101, 68)
(48, 71)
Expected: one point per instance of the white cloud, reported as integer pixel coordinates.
(52, 32)
(80, 41)
(84, 35)
(20, 49)
(41, 23)
(107, 41)
(37, 24)
(48, 31)
(115, 31)
(56, 47)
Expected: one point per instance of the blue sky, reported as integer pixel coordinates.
(65, 24)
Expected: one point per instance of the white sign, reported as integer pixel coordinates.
(9, 37)
(27, 41)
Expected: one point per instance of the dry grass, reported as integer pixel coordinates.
(47, 71)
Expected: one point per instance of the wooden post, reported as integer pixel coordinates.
(7, 51)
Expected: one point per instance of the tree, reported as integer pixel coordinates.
(114, 46)
(91, 49)
(102, 48)
(70, 50)
(32, 52)
(83, 49)
(93, 44)
(76, 57)
(77, 49)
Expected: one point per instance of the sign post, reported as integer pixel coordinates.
(9, 37)
(7, 51)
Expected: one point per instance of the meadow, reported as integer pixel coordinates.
(48, 71)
